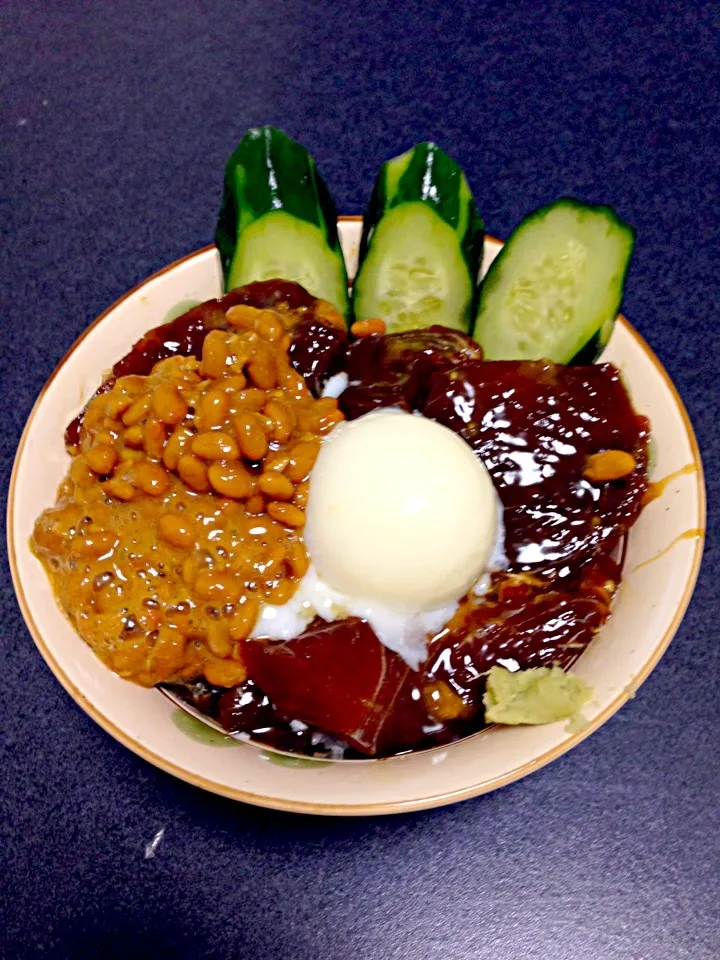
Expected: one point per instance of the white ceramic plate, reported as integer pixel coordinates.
(661, 566)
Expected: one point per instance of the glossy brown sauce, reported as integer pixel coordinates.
(396, 370)
(534, 425)
(335, 688)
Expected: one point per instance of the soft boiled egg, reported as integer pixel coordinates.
(402, 521)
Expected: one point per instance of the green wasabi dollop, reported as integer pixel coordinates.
(540, 695)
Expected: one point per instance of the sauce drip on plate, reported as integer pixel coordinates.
(656, 488)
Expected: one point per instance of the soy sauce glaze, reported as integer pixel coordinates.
(335, 689)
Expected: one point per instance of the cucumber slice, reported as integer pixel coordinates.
(278, 245)
(414, 274)
(277, 219)
(421, 244)
(555, 285)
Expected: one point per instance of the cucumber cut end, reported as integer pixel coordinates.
(543, 301)
(413, 294)
(556, 283)
(414, 274)
(281, 245)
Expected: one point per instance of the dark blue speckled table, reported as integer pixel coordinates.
(117, 119)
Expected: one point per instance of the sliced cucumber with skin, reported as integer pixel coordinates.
(421, 244)
(280, 245)
(555, 288)
(277, 219)
(414, 274)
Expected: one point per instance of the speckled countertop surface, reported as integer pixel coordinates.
(117, 120)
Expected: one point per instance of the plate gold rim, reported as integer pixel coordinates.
(366, 809)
